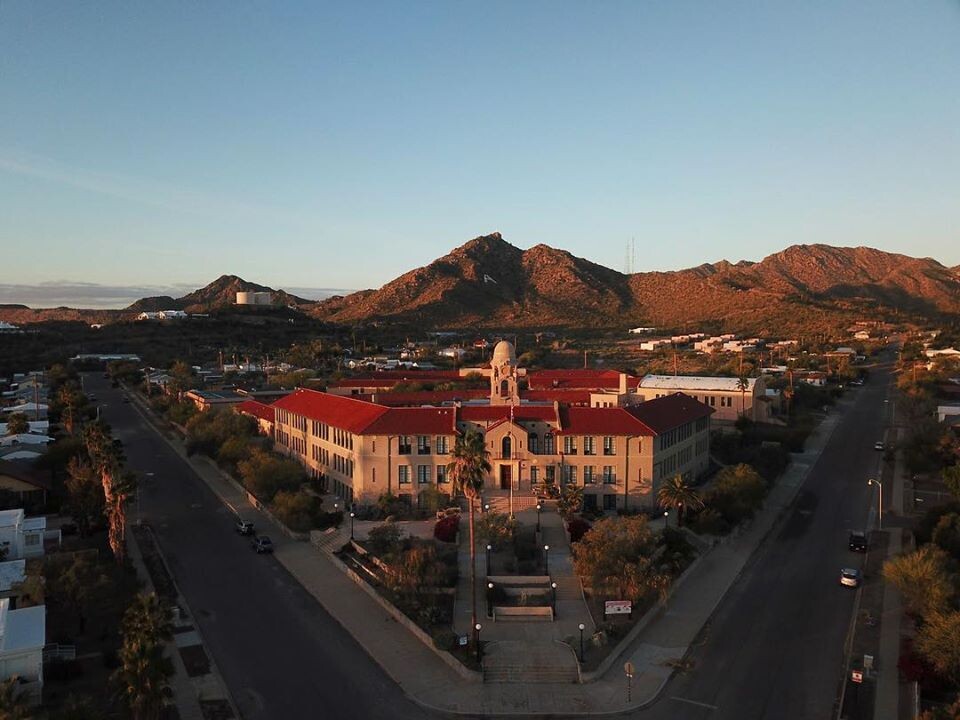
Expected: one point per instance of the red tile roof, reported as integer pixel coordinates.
(367, 418)
(414, 421)
(426, 397)
(495, 413)
(578, 379)
(670, 411)
(255, 408)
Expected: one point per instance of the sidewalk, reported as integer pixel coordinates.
(428, 680)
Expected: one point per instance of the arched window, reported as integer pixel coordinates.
(504, 388)
(506, 447)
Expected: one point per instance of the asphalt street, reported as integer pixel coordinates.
(280, 653)
(774, 648)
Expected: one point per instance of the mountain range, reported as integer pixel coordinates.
(489, 282)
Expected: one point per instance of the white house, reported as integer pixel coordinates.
(21, 536)
(23, 633)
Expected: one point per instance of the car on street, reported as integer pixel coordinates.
(244, 527)
(262, 544)
(850, 577)
(878, 445)
(858, 541)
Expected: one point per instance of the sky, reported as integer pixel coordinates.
(337, 145)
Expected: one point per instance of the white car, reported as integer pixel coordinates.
(878, 445)
(850, 577)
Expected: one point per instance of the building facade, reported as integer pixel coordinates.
(619, 455)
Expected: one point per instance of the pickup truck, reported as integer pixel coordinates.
(261, 544)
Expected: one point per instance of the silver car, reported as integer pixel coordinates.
(850, 577)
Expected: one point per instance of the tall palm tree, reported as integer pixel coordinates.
(675, 493)
(14, 704)
(144, 671)
(743, 384)
(118, 484)
(470, 465)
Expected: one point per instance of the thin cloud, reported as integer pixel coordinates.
(140, 190)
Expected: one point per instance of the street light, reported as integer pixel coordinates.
(879, 484)
(486, 507)
(582, 627)
(489, 548)
(553, 586)
(478, 627)
(546, 559)
(352, 515)
(539, 508)
(490, 599)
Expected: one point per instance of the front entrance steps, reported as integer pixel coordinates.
(507, 661)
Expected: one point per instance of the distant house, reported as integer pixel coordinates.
(207, 399)
(35, 411)
(945, 352)
(21, 536)
(28, 488)
(23, 633)
(12, 573)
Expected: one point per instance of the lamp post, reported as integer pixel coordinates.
(666, 518)
(582, 627)
(489, 548)
(478, 627)
(553, 586)
(546, 559)
(490, 599)
(486, 507)
(352, 515)
(873, 481)
(539, 508)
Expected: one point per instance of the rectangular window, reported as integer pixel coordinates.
(550, 474)
(534, 475)
(403, 445)
(569, 445)
(589, 445)
(423, 444)
(610, 502)
(423, 474)
(588, 474)
(609, 445)
(403, 474)
(548, 445)
(609, 476)
(442, 446)
(441, 474)
(533, 443)
(569, 475)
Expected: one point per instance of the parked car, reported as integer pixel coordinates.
(244, 527)
(858, 541)
(850, 577)
(262, 544)
(878, 445)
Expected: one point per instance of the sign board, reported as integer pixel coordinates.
(617, 607)
(628, 669)
(857, 676)
(463, 640)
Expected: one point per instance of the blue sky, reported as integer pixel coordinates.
(337, 145)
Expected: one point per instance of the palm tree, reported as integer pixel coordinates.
(118, 484)
(469, 467)
(675, 493)
(144, 671)
(743, 384)
(18, 424)
(14, 704)
(68, 399)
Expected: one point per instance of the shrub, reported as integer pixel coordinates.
(296, 510)
(444, 638)
(265, 474)
(446, 528)
(577, 527)
(496, 529)
(385, 540)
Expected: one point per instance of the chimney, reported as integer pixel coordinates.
(623, 383)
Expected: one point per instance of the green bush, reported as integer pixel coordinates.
(297, 510)
(265, 474)
(385, 540)
(444, 638)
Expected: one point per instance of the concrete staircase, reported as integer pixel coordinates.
(331, 540)
(530, 662)
(501, 503)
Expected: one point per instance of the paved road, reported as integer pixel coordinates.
(775, 647)
(280, 653)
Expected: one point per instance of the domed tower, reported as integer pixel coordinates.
(503, 379)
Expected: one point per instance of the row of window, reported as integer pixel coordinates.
(441, 445)
(320, 455)
(607, 475)
(589, 444)
(285, 417)
(343, 465)
(425, 474)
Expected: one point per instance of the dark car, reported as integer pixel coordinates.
(262, 544)
(244, 527)
(858, 541)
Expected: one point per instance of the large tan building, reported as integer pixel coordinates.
(619, 455)
(724, 395)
